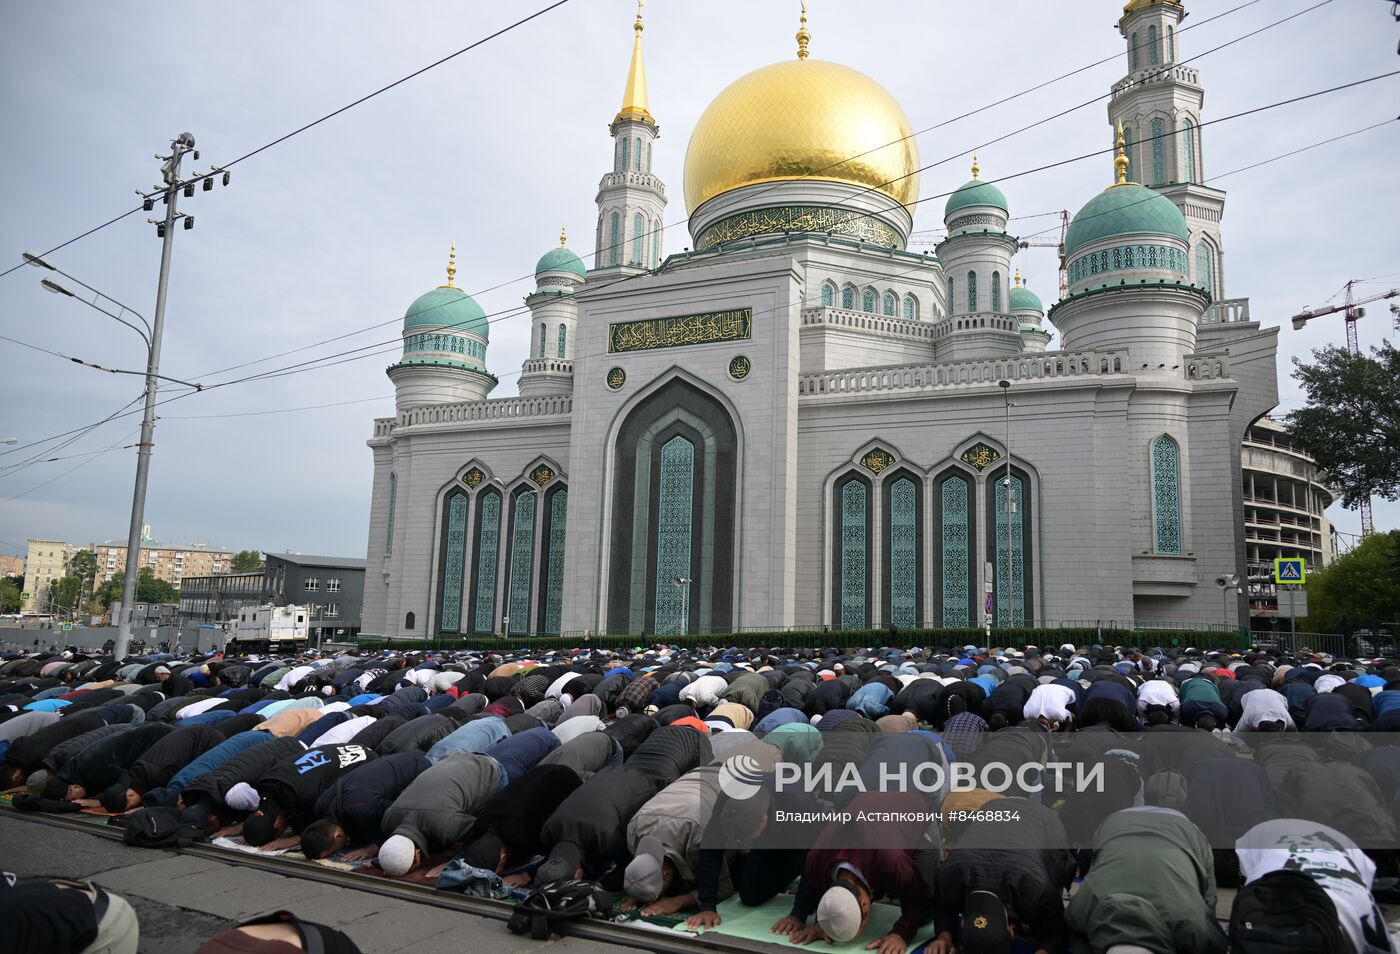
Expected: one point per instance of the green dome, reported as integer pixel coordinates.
(1024, 298)
(1128, 209)
(560, 260)
(975, 192)
(447, 307)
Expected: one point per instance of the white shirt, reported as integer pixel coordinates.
(344, 732)
(1345, 873)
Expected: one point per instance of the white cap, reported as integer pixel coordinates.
(243, 797)
(396, 855)
(838, 913)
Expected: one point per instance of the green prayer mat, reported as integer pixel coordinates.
(754, 924)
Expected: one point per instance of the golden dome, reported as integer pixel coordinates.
(802, 119)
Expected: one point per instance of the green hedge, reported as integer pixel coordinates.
(1053, 636)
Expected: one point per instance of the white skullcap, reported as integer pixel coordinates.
(243, 797)
(396, 855)
(838, 913)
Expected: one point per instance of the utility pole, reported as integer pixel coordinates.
(170, 176)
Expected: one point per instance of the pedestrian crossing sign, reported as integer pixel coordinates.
(1290, 570)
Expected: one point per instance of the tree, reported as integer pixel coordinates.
(11, 587)
(64, 594)
(247, 561)
(83, 565)
(1351, 423)
(149, 589)
(1360, 590)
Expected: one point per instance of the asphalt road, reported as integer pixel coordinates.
(182, 901)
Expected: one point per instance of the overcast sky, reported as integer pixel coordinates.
(337, 230)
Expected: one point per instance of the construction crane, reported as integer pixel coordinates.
(1058, 244)
(1352, 313)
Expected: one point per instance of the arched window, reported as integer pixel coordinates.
(828, 295)
(637, 159)
(902, 532)
(563, 341)
(848, 298)
(1159, 153)
(619, 161)
(1010, 574)
(522, 554)
(996, 291)
(911, 308)
(1135, 52)
(867, 300)
(1188, 151)
(851, 580)
(1205, 267)
(1171, 45)
(1153, 54)
(622, 166)
(488, 545)
(656, 244)
(952, 291)
(888, 304)
(552, 561)
(971, 291)
(639, 228)
(389, 523)
(1128, 151)
(544, 330)
(953, 550)
(1166, 496)
(615, 237)
(452, 561)
(674, 532)
(409, 620)
(646, 156)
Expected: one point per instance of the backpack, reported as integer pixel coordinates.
(1286, 911)
(159, 826)
(558, 901)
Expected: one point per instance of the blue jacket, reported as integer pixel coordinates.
(476, 736)
(522, 751)
(217, 756)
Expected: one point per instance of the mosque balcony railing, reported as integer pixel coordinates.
(976, 322)
(644, 180)
(384, 426)
(1206, 367)
(867, 321)
(980, 372)
(1158, 74)
(547, 366)
(467, 412)
(1226, 310)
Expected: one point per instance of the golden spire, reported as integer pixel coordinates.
(634, 97)
(563, 236)
(976, 169)
(803, 36)
(1018, 276)
(1120, 161)
(451, 266)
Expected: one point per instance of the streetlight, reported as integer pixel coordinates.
(683, 584)
(10, 440)
(151, 337)
(1005, 386)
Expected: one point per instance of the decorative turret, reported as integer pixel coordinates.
(445, 334)
(1128, 286)
(1029, 314)
(630, 199)
(549, 369)
(976, 259)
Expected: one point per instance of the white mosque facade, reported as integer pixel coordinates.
(802, 423)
